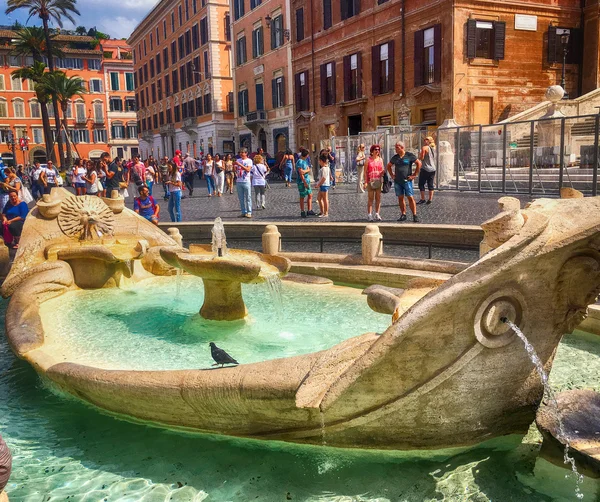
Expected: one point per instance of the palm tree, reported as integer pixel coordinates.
(63, 89)
(31, 41)
(48, 10)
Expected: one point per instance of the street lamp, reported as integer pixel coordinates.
(564, 34)
(269, 20)
(11, 143)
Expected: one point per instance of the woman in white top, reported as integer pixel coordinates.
(219, 174)
(259, 180)
(150, 174)
(361, 157)
(209, 171)
(174, 183)
(91, 179)
(79, 171)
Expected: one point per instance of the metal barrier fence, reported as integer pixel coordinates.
(535, 157)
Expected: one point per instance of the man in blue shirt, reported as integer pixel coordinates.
(303, 180)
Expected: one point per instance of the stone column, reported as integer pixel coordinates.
(175, 235)
(372, 246)
(271, 240)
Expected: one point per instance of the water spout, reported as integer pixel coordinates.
(219, 242)
(552, 403)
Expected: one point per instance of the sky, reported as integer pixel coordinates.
(117, 18)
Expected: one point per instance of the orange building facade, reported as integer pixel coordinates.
(182, 61)
(263, 80)
(362, 64)
(88, 121)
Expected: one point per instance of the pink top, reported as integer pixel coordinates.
(374, 169)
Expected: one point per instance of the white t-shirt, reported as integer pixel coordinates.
(243, 176)
(259, 171)
(149, 173)
(174, 188)
(50, 175)
(79, 172)
(325, 172)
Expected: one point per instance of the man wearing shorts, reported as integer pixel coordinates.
(403, 177)
(303, 180)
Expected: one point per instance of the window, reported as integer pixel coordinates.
(169, 116)
(2, 87)
(172, 22)
(146, 72)
(117, 131)
(383, 68)
(95, 85)
(182, 81)
(257, 42)
(177, 113)
(19, 108)
(157, 64)
(327, 17)
(197, 72)
(328, 84)
(157, 37)
(352, 77)
(302, 95)
(151, 43)
(80, 112)
(167, 86)
(80, 135)
(195, 37)
(188, 42)
(255, 3)
(50, 108)
(173, 52)
(180, 15)
(98, 113)
(240, 51)
(100, 136)
(203, 31)
(199, 106)
(278, 92)
(116, 104)
(556, 48)
(93, 64)
(3, 109)
(70, 63)
(158, 91)
(243, 102)
(485, 39)
(132, 130)
(145, 49)
(299, 24)
(189, 70)
(206, 65)
(114, 80)
(277, 32)
(151, 67)
(230, 102)
(14, 60)
(166, 57)
(187, 10)
(164, 28)
(175, 81)
(260, 95)
(238, 9)
(184, 111)
(153, 93)
(34, 108)
(428, 55)
(69, 110)
(130, 105)
(16, 84)
(195, 6)
(181, 46)
(227, 27)
(349, 8)
(38, 136)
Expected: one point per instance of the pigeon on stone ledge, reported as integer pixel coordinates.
(220, 356)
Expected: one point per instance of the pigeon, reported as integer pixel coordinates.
(220, 356)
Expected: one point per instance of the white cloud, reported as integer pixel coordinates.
(117, 27)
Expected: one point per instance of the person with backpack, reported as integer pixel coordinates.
(146, 207)
(189, 171)
(138, 173)
(428, 158)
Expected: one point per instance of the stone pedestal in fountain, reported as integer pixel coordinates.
(223, 276)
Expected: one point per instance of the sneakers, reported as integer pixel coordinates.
(422, 201)
(248, 215)
(303, 214)
(429, 202)
(415, 218)
(402, 217)
(370, 217)
(311, 213)
(377, 217)
(262, 206)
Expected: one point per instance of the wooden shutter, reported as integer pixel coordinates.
(471, 38)
(260, 96)
(419, 46)
(305, 98)
(437, 53)
(574, 56)
(299, 24)
(391, 66)
(323, 85)
(347, 78)
(344, 8)
(254, 44)
(326, 14)
(359, 91)
(274, 93)
(552, 44)
(499, 37)
(273, 34)
(282, 91)
(298, 91)
(333, 76)
(375, 70)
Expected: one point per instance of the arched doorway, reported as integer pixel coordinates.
(262, 140)
(38, 155)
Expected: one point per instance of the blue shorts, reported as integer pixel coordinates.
(404, 188)
(79, 185)
(324, 188)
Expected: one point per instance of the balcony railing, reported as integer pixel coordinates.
(189, 122)
(167, 129)
(257, 116)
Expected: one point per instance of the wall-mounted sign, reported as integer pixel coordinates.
(525, 22)
(259, 69)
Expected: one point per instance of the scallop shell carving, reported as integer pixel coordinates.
(86, 218)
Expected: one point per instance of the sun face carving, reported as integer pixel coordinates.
(86, 218)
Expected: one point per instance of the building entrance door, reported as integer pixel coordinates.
(482, 110)
(354, 124)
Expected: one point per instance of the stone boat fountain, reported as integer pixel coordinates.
(447, 373)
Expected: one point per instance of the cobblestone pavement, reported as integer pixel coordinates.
(346, 205)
